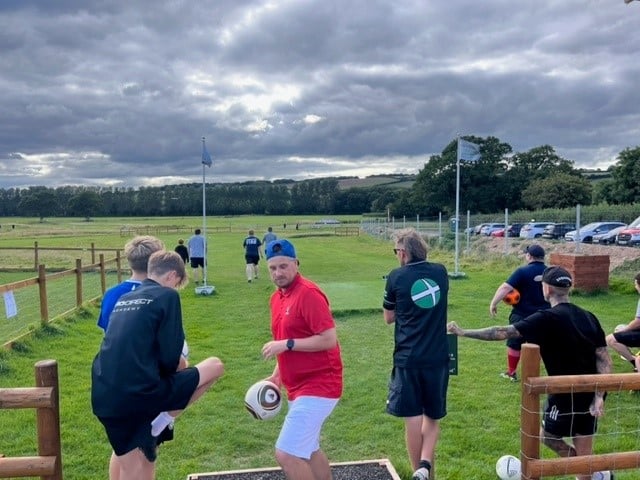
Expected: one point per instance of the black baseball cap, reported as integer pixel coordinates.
(557, 277)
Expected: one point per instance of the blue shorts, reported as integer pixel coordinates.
(418, 391)
(300, 433)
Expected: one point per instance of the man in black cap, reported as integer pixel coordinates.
(571, 342)
(527, 281)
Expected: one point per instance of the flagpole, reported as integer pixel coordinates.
(457, 217)
(204, 217)
(204, 289)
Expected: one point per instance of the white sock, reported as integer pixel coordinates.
(249, 271)
(162, 421)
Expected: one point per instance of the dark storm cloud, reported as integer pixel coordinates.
(120, 93)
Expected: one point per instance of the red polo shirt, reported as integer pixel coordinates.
(302, 310)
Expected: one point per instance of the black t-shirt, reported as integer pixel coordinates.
(568, 337)
(139, 353)
(418, 292)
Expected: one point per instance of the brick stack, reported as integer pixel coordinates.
(589, 272)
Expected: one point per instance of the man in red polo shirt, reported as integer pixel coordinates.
(309, 365)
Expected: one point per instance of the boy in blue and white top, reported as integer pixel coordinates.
(137, 251)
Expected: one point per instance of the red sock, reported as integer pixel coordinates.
(513, 357)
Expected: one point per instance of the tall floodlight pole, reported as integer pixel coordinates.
(206, 161)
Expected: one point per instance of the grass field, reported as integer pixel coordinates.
(218, 434)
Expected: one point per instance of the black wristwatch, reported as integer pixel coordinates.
(290, 344)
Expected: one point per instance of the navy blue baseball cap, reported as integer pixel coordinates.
(280, 248)
(535, 250)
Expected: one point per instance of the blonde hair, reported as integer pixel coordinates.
(139, 249)
(412, 242)
(163, 262)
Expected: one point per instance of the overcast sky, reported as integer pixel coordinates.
(121, 92)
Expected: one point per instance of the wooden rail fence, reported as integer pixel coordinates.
(43, 278)
(533, 386)
(44, 397)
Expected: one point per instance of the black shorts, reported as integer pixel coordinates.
(252, 259)
(564, 417)
(133, 430)
(515, 343)
(418, 391)
(126, 434)
(630, 338)
(197, 262)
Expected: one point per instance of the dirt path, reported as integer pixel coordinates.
(617, 255)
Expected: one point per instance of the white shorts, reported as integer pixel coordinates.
(300, 433)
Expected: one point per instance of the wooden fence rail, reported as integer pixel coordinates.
(37, 249)
(533, 386)
(43, 279)
(45, 399)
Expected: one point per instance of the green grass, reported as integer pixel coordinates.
(218, 434)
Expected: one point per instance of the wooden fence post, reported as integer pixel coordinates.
(78, 282)
(48, 419)
(119, 266)
(93, 253)
(35, 255)
(530, 407)
(42, 286)
(103, 273)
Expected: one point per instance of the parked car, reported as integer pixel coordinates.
(608, 238)
(557, 230)
(588, 231)
(498, 233)
(513, 230)
(478, 227)
(490, 227)
(630, 236)
(533, 229)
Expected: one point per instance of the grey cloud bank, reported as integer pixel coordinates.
(120, 93)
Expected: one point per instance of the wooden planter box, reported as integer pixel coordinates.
(589, 272)
(367, 469)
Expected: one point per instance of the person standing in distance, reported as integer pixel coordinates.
(269, 237)
(571, 342)
(308, 364)
(528, 281)
(135, 375)
(629, 336)
(415, 301)
(182, 250)
(137, 252)
(197, 253)
(252, 255)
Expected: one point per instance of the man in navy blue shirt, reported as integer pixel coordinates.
(527, 280)
(252, 255)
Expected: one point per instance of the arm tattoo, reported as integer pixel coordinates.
(493, 333)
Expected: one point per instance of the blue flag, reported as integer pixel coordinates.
(468, 151)
(206, 158)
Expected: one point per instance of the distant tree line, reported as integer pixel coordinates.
(536, 179)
